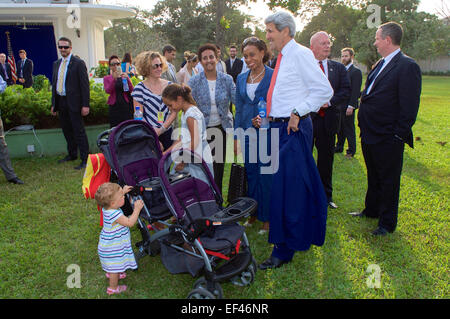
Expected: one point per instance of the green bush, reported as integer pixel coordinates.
(32, 106)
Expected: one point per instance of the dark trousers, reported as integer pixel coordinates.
(73, 129)
(5, 162)
(346, 131)
(216, 149)
(324, 141)
(384, 163)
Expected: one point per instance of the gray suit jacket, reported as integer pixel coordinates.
(170, 74)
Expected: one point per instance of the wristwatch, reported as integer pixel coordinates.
(294, 111)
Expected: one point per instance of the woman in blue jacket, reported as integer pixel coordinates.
(213, 91)
(251, 86)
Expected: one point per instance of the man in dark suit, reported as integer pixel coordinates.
(389, 105)
(326, 121)
(347, 127)
(70, 98)
(233, 64)
(5, 70)
(25, 70)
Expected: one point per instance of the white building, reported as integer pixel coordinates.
(36, 25)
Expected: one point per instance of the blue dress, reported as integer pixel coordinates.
(255, 143)
(114, 246)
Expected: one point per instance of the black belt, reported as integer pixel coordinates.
(285, 119)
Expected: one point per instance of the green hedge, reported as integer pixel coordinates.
(32, 105)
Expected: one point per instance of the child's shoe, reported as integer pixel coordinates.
(118, 290)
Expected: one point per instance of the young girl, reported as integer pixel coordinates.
(114, 246)
(193, 128)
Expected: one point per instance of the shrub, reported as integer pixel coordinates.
(29, 106)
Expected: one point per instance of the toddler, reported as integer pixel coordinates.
(114, 246)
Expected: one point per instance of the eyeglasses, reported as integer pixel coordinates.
(115, 64)
(63, 47)
(155, 66)
(194, 58)
(250, 40)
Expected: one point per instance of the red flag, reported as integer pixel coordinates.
(11, 61)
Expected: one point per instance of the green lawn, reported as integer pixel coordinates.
(46, 225)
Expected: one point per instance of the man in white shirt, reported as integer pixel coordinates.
(298, 209)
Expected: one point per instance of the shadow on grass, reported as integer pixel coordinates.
(419, 172)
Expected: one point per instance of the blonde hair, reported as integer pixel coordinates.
(143, 62)
(105, 194)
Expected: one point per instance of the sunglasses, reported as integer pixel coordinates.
(250, 40)
(63, 47)
(155, 66)
(115, 64)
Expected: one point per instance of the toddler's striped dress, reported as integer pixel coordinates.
(114, 246)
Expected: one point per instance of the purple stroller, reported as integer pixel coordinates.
(205, 239)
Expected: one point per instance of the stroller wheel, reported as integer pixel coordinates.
(253, 265)
(217, 290)
(201, 293)
(245, 278)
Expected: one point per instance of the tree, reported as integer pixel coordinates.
(132, 35)
(337, 20)
(424, 35)
(187, 24)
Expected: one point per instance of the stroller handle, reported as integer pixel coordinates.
(101, 140)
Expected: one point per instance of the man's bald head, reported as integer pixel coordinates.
(320, 45)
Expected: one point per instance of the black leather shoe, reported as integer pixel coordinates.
(380, 231)
(332, 205)
(15, 180)
(66, 159)
(272, 262)
(81, 166)
(360, 214)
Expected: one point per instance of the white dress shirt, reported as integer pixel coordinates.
(386, 62)
(300, 83)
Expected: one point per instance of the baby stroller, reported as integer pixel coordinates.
(205, 239)
(132, 150)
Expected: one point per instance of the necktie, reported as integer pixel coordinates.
(62, 72)
(375, 72)
(272, 84)
(6, 73)
(321, 111)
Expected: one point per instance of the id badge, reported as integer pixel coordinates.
(160, 117)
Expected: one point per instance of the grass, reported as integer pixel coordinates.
(46, 225)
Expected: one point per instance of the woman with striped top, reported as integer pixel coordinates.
(114, 246)
(147, 95)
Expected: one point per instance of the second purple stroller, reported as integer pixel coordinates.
(206, 239)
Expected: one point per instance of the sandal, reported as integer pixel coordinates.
(122, 275)
(118, 290)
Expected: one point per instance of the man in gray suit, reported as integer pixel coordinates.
(169, 53)
(5, 162)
